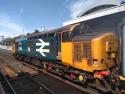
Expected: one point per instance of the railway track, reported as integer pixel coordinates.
(30, 86)
(5, 83)
(11, 86)
(44, 79)
(40, 82)
(88, 90)
(25, 85)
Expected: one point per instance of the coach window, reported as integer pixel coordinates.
(40, 36)
(29, 38)
(66, 37)
(45, 35)
(51, 35)
(34, 37)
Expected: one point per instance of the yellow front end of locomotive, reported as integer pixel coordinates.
(104, 50)
(90, 55)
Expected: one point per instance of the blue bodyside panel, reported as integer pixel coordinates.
(30, 48)
(22, 48)
(51, 54)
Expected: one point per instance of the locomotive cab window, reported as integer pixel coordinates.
(75, 32)
(66, 37)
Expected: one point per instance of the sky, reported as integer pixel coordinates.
(24, 16)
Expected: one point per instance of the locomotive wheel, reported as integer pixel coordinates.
(85, 85)
(103, 85)
(114, 81)
(44, 66)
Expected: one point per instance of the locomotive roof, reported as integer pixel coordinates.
(57, 30)
(87, 37)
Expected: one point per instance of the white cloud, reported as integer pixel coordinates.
(77, 6)
(9, 27)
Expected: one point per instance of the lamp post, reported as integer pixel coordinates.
(2, 38)
(1, 43)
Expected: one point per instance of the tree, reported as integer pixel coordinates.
(36, 31)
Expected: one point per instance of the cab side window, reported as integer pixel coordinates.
(66, 37)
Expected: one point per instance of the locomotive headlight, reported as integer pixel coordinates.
(81, 78)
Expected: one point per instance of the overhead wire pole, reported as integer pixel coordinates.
(2, 38)
(23, 31)
(44, 27)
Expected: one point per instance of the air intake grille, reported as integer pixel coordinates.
(82, 50)
(87, 50)
(77, 52)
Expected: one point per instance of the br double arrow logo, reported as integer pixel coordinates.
(42, 44)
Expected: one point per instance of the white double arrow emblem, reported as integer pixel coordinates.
(42, 44)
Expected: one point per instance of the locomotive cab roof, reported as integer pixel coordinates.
(88, 37)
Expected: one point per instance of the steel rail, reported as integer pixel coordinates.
(87, 90)
(42, 85)
(8, 83)
(28, 76)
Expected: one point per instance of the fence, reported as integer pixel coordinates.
(5, 47)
